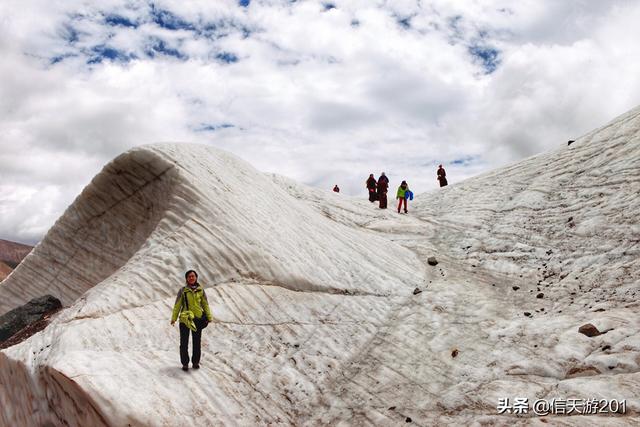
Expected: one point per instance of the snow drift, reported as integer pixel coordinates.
(313, 292)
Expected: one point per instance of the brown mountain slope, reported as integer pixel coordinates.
(12, 253)
(4, 271)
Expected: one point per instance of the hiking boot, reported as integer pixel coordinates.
(406, 211)
(196, 366)
(185, 367)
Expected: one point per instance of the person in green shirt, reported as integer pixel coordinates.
(192, 308)
(401, 196)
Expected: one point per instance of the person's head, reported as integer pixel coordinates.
(383, 174)
(371, 176)
(403, 184)
(440, 166)
(191, 277)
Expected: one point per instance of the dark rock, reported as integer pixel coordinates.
(570, 219)
(432, 260)
(392, 408)
(606, 347)
(515, 288)
(416, 291)
(454, 353)
(21, 317)
(540, 295)
(526, 313)
(589, 330)
(571, 141)
(408, 420)
(599, 310)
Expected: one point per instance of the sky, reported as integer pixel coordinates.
(324, 92)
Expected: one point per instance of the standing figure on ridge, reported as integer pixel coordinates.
(372, 186)
(336, 189)
(383, 186)
(402, 195)
(442, 176)
(193, 309)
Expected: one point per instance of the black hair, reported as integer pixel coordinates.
(190, 271)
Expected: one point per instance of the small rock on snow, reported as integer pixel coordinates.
(589, 330)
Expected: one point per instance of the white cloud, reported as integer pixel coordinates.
(323, 96)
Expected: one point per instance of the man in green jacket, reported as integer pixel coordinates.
(193, 309)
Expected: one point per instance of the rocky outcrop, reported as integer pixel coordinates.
(21, 317)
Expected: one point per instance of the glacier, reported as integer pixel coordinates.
(316, 320)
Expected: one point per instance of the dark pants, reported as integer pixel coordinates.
(373, 195)
(382, 196)
(184, 345)
(443, 181)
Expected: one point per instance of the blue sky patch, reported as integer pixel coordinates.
(405, 22)
(102, 52)
(464, 161)
(160, 47)
(487, 56)
(119, 21)
(212, 128)
(169, 20)
(60, 58)
(244, 3)
(227, 57)
(70, 34)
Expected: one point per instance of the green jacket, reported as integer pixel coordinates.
(197, 301)
(401, 191)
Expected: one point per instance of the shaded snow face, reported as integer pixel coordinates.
(327, 311)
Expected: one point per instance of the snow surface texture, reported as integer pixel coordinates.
(317, 323)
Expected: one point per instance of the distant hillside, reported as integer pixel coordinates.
(11, 254)
(4, 270)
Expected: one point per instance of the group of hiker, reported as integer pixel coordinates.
(378, 192)
(378, 189)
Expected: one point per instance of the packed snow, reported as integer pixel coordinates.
(317, 321)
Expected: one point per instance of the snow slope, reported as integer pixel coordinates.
(313, 292)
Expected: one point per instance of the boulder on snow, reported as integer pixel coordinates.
(23, 316)
(416, 291)
(432, 260)
(589, 330)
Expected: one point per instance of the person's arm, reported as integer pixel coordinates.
(205, 306)
(176, 307)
